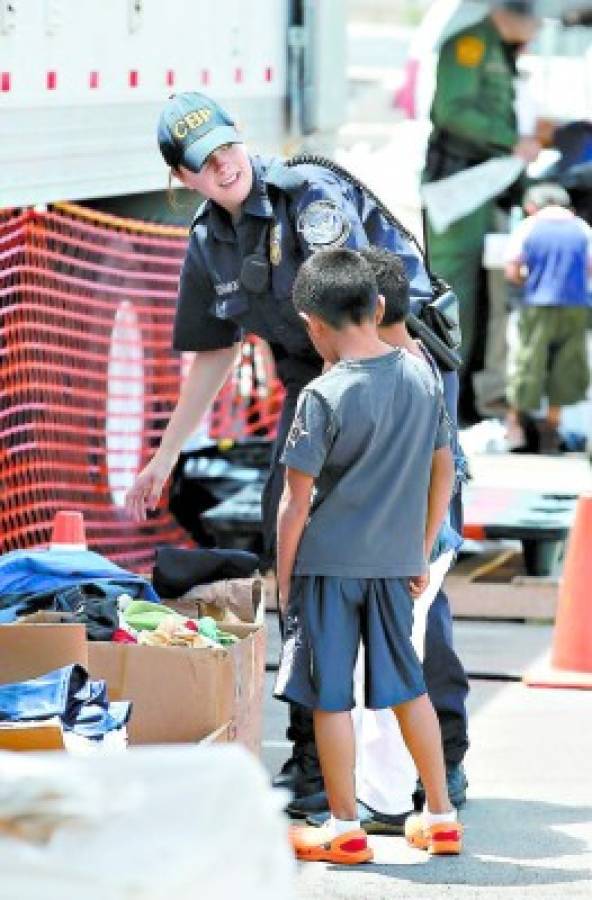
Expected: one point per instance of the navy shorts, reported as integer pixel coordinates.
(327, 616)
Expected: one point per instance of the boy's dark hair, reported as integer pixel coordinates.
(547, 194)
(337, 286)
(392, 282)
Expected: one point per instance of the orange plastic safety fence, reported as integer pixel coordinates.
(88, 380)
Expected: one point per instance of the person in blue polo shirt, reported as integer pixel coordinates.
(550, 254)
(261, 219)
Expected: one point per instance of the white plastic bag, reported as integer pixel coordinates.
(190, 823)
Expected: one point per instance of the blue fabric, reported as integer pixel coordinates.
(446, 680)
(32, 571)
(556, 256)
(52, 694)
(94, 721)
(81, 704)
(327, 616)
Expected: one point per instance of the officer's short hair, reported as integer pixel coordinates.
(392, 282)
(337, 286)
(547, 194)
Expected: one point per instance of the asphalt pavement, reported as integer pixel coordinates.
(528, 819)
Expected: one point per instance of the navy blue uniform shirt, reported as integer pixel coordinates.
(289, 213)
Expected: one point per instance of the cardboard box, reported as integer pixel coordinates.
(30, 650)
(178, 694)
(248, 658)
(183, 694)
(221, 735)
(244, 598)
(46, 735)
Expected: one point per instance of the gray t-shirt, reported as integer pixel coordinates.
(366, 431)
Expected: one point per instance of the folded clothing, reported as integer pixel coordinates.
(24, 572)
(81, 704)
(93, 604)
(177, 571)
(171, 628)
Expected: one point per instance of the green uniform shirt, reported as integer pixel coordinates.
(474, 98)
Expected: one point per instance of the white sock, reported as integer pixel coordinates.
(431, 818)
(338, 827)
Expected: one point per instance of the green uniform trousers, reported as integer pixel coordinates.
(456, 255)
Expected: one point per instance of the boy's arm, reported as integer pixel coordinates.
(439, 494)
(293, 512)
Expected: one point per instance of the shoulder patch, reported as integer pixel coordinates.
(469, 51)
(323, 225)
(297, 431)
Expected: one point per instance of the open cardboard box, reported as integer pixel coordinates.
(46, 735)
(245, 599)
(30, 650)
(182, 694)
(178, 694)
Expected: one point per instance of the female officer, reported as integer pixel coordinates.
(260, 220)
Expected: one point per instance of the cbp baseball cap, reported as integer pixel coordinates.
(191, 126)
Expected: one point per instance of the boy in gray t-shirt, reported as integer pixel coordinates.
(362, 465)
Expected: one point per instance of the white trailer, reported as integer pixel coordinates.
(82, 82)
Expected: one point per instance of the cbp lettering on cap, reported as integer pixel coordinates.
(191, 127)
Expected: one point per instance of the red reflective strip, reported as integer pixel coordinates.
(170, 78)
(238, 75)
(93, 80)
(5, 82)
(134, 78)
(354, 846)
(445, 835)
(269, 74)
(474, 532)
(205, 76)
(52, 81)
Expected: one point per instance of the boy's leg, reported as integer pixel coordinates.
(421, 732)
(385, 772)
(436, 829)
(334, 735)
(341, 839)
(327, 645)
(394, 679)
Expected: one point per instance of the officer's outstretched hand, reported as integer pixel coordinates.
(147, 488)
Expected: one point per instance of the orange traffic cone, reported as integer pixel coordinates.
(570, 665)
(68, 531)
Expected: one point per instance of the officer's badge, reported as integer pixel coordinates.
(323, 225)
(469, 51)
(275, 244)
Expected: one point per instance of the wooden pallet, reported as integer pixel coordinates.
(493, 585)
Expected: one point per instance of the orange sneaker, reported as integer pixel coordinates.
(319, 845)
(443, 839)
